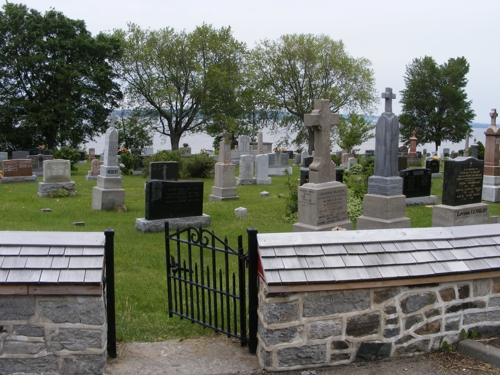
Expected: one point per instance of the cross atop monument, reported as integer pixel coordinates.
(112, 120)
(493, 115)
(321, 120)
(388, 96)
(414, 134)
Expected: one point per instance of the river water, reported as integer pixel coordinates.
(200, 141)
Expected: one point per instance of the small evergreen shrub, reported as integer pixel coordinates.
(292, 199)
(198, 166)
(128, 160)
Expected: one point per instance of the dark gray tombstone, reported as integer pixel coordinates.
(403, 151)
(402, 162)
(419, 154)
(433, 165)
(136, 151)
(290, 154)
(173, 199)
(308, 161)
(304, 176)
(462, 181)
(164, 170)
(20, 154)
(369, 153)
(416, 182)
(339, 175)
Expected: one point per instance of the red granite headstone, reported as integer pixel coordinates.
(17, 167)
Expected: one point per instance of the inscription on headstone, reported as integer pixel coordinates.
(416, 182)
(57, 170)
(327, 204)
(172, 199)
(17, 167)
(463, 181)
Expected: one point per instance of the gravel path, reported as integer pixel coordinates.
(222, 356)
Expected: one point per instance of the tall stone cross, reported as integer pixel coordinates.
(112, 120)
(493, 115)
(388, 96)
(321, 120)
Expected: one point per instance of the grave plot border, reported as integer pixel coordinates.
(202, 288)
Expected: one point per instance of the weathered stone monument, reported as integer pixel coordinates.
(246, 171)
(224, 188)
(279, 163)
(91, 153)
(384, 206)
(108, 193)
(413, 159)
(17, 170)
(491, 178)
(56, 178)
(179, 202)
(462, 192)
(322, 201)
(95, 169)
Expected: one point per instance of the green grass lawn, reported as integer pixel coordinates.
(141, 303)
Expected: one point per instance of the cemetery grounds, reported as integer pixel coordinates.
(140, 275)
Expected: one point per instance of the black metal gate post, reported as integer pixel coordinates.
(253, 299)
(109, 249)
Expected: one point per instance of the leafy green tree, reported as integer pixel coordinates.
(56, 81)
(192, 81)
(352, 131)
(134, 128)
(292, 71)
(434, 102)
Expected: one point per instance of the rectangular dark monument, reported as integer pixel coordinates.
(173, 199)
(433, 165)
(416, 182)
(164, 170)
(463, 181)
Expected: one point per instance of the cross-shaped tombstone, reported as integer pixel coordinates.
(388, 96)
(321, 120)
(493, 115)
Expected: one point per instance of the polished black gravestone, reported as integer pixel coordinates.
(173, 199)
(416, 182)
(433, 165)
(164, 170)
(307, 161)
(462, 181)
(402, 163)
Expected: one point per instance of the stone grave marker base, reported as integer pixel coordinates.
(148, 226)
(467, 214)
(263, 181)
(223, 194)
(46, 189)
(387, 186)
(413, 161)
(491, 188)
(6, 180)
(245, 181)
(437, 175)
(107, 199)
(322, 207)
(422, 201)
(91, 178)
(383, 212)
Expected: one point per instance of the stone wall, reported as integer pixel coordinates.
(317, 329)
(52, 334)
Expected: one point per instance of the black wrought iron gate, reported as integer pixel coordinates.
(207, 282)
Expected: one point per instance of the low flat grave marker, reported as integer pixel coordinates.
(17, 170)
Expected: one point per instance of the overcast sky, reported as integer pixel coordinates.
(390, 33)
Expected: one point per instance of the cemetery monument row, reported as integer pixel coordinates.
(322, 202)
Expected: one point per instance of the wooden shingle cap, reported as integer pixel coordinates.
(374, 258)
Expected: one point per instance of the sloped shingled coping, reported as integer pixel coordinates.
(314, 261)
(51, 263)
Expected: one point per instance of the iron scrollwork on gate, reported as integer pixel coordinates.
(206, 281)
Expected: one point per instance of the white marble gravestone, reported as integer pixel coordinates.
(224, 188)
(108, 193)
(384, 206)
(322, 201)
(246, 171)
(56, 178)
(262, 170)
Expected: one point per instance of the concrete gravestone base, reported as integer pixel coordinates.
(468, 214)
(383, 212)
(147, 226)
(491, 188)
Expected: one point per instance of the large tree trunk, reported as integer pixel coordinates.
(174, 141)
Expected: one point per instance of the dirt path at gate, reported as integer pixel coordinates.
(222, 356)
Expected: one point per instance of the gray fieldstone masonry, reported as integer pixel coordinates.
(52, 312)
(305, 330)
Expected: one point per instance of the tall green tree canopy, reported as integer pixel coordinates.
(292, 71)
(193, 81)
(56, 81)
(352, 131)
(434, 102)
